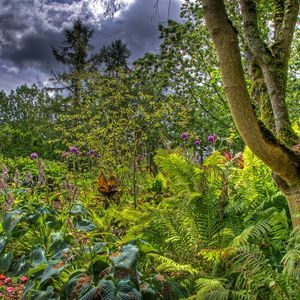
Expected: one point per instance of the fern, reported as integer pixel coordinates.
(166, 265)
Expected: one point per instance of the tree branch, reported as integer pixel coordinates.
(278, 17)
(258, 48)
(274, 71)
(284, 34)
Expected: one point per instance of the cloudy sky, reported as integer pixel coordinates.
(28, 28)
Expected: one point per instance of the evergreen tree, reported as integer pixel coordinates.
(115, 57)
(76, 54)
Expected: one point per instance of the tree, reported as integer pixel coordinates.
(265, 128)
(76, 54)
(115, 57)
(26, 118)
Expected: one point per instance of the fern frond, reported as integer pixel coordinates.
(167, 265)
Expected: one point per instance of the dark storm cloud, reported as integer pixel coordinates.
(138, 25)
(33, 51)
(28, 28)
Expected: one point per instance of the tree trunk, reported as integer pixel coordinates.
(293, 199)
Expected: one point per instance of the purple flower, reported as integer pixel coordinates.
(91, 152)
(184, 135)
(34, 155)
(197, 143)
(212, 138)
(74, 150)
(65, 154)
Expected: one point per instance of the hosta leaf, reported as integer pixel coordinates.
(43, 295)
(54, 223)
(125, 291)
(37, 257)
(85, 288)
(98, 247)
(10, 220)
(127, 259)
(52, 270)
(99, 263)
(20, 266)
(3, 242)
(73, 279)
(84, 225)
(77, 209)
(58, 242)
(92, 294)
(148, 293)
(5, 261)
(107, 289)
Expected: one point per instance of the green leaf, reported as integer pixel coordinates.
(43, 295)
(99, 264)
(53, 269)
(3, 242)
(84, 225)
(5, 261)
(58, 242)
(37, 257)
(37, 271)
(73, 279)
(20, 266)
(127, 259)
(10, 220)
(77, 209)
(125, 291)
(107, 289)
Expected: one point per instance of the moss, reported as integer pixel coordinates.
(270, 137)
(268, 134)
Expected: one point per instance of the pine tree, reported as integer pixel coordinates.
(77, 55)
(115, 57)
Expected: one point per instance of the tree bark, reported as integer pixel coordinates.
(293, 199)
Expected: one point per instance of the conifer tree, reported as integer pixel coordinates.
(77, 55)
(115, 57)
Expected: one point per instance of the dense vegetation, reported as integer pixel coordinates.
(127, 181)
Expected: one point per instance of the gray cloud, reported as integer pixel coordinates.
(28, 28)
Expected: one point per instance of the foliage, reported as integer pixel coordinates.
(25, 122)
(136, 209)
(76, 54)
(222, 231)
(53, 240)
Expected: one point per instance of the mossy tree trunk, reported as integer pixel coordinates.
(271, 140)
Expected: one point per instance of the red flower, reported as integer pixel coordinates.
(2, 277)
(7, 280)
(23, 279)
(227, 155)
(240, 161)
(10, 289)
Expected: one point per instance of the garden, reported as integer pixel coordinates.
(174, 177)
